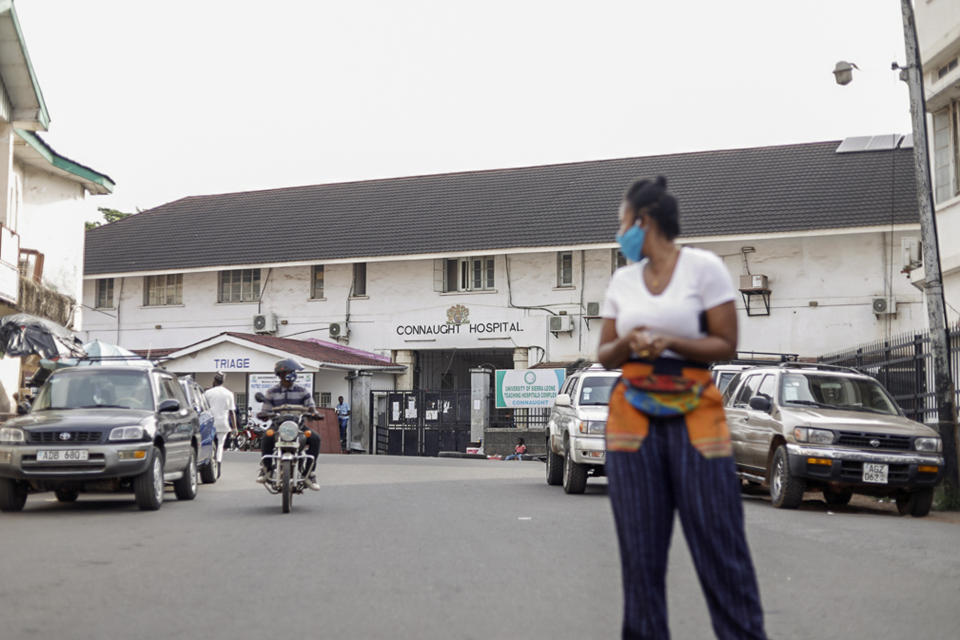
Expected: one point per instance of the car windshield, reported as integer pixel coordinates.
(95, 388)
(595, 390)
(836, 392)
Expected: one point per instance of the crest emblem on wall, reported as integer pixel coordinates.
(458, 314)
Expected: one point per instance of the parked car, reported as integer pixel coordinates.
(798, 427)
(576, 428)
(724, 373)
(102, 429)
(207, 463)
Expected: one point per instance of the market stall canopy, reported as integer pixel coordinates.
(22, 334)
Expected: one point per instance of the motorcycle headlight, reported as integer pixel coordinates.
(126, 433)
(11, 435)
(595, 427)
(814, 436)
(934, 445)
(289, 431)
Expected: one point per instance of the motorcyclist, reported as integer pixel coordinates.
(287, 393)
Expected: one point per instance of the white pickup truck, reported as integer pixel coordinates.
(576, 427)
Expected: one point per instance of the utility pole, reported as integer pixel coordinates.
(912, 73)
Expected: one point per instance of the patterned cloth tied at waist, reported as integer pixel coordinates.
(663, 389)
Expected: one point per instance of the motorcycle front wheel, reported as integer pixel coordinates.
(286, 473)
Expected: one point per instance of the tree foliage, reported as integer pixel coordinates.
(109, 215)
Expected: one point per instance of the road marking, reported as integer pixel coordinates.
(524, 518)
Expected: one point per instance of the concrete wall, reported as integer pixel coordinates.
(823, 287)
(52, 217)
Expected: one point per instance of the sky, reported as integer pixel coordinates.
(190, 97)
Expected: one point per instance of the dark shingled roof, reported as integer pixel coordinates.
(741, 191)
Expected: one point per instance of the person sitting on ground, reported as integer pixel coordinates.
(518, 450)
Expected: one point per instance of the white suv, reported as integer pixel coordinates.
(576, 428)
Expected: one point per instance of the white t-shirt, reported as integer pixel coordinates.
(700, 281)
(221, 402)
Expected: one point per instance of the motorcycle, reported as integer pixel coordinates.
(249, 437)
(290, 462)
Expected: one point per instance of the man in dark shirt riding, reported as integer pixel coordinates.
(287, 393)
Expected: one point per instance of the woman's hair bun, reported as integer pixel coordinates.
(661, 182)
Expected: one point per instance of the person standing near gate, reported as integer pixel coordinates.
(343, 417)
(224, 407)
(667, 315)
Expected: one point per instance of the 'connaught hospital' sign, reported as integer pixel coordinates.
(458, 323)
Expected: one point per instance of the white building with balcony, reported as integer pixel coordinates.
(938, 32)
(42, 203)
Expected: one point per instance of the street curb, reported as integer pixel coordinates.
(457, 454)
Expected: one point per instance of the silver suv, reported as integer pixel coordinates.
(800, 427)
(575, 430)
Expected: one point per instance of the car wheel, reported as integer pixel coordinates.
(916, 503)
(554, 467)
(186, 486)
(67, 495)
(574, 474)
(13, 495)
(786, 490)
(837, 498)
(211, 471)
(148, 486)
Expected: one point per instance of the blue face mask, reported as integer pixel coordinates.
(631, 243)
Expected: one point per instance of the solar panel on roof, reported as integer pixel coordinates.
(906, 142)
(854, 144)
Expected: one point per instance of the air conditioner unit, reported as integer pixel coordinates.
(593, 309)
(754, 282)
(561, 324)
(338, 330)
(265, 323)
(884, 306)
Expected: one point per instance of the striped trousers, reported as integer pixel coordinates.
(667, 473)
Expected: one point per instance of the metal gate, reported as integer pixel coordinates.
(419, 422)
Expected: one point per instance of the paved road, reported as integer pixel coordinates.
(439, 548)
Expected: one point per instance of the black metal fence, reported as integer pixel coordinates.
(904, 365)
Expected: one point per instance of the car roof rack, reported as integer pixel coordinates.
(819, 366)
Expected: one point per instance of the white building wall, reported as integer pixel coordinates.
(51, 220)
(938, 34)
(823, 288)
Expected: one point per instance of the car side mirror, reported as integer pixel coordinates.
(761, 403)
(169, 406)
(259, 397)
(563, 400)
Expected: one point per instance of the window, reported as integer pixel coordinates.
(324, 399)
(465, 274)
(768, 387)
(747, 391)
(946, 152)
(565, 268)
(316, 282)
(104, 293)
(239, 285)
(163, 290)
(947, 68)
(359, 288)
(617, 260)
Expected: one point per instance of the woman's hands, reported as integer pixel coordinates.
(646, 345)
